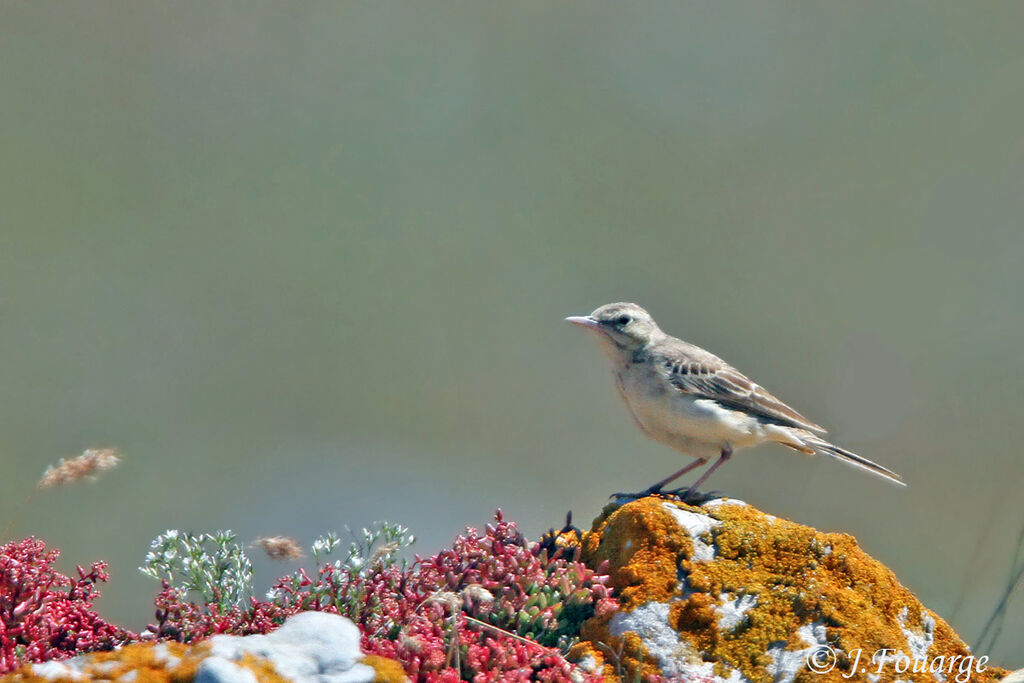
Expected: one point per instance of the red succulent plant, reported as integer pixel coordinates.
(46, 615)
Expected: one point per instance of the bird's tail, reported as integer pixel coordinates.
(846, 457)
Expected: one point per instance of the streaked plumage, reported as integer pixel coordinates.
(691, 400)
(694, 371)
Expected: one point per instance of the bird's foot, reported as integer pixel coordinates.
(650, 491)
(683, 494)
(691, 496)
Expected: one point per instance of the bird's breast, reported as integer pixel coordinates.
(681, 420)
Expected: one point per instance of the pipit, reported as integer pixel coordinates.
(691, 400)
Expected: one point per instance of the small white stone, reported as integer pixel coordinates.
(1014, 677)
(311, 647)
(220, 670)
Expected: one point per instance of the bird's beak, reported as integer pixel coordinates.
(584, 321)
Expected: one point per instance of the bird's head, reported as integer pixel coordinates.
(621, 326)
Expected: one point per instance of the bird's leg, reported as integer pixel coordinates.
(656, 488)
(675, 475)
(726, 454)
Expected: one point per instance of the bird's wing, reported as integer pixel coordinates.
(694, 371)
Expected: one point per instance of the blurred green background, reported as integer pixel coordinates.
(306, 265)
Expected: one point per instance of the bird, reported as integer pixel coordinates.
(693, 401)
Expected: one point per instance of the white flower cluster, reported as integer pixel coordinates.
(212, 565)
(368, 550)
(217, 568)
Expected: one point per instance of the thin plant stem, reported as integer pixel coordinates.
(994, 625)
(496, 629)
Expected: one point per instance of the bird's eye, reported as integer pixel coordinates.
(623, 320)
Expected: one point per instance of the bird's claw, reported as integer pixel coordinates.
(650, 491)
(691, 496)
(620, 496)
(683, 494)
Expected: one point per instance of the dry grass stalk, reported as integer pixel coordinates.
(85, 466)
(280, 547)
(494, 629)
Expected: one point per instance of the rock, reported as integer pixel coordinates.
(724, 592)
(311, 647)
(220, 670)
(58, 671)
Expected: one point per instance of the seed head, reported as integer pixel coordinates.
(475, 595)
(85, 466)
(451, 601)
(280, 547)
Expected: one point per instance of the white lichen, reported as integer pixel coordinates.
(66, 670)
(161, 654)
(696, 525)
(589, 664)
(650, 622)
(786, 664)
(717, 502)
(918, 643)
(732, 611)
(676, 657)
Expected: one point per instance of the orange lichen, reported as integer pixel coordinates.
(787, 574)
(177, 663)
(262, 668)
(641, 543)
(387, 670)
(174, 664)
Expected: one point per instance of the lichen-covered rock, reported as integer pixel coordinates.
(724, 592)
(311, 647)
